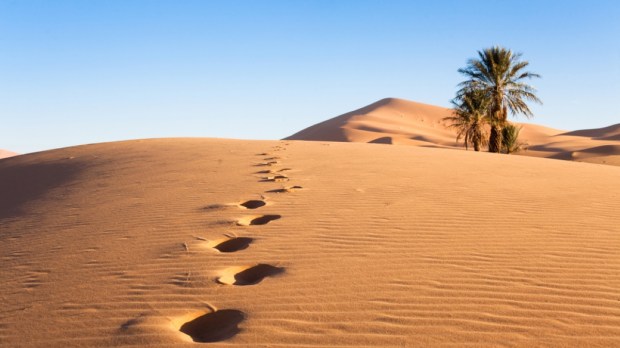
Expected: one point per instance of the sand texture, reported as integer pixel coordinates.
(6, 154)
(403, 122)
(174, 241)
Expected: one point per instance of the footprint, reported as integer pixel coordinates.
(230, 245)
(272, 158)
(248, 275)
(264, 164)
(271, 171)
(213, 327)
(257, 220)
(275, 178)
(253, 204)
(214, 207)
(286, 189)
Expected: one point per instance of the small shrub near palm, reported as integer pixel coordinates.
(510, 139)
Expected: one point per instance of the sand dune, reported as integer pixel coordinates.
(403, 122)
(607, 133)
(388, 121)
(6, 154)
(174, 241)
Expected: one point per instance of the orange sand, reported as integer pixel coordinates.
(6, 154)
(163, 242)
(399, 121)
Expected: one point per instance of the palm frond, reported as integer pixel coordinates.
(497, 75)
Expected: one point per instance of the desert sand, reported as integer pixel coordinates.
(404, 122)
(307, 244)
(6, 154)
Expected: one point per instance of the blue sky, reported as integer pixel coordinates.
(74, 72)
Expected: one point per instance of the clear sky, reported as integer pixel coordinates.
(84, 71)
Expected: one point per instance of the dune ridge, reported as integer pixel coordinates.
(6, 154)
(389, 120)
(123, 244)
(404, 122)
(606, 133)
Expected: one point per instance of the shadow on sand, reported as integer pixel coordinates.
(21, 183)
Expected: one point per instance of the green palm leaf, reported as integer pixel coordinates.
(498, 75)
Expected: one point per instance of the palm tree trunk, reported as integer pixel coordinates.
(476, 146)
(495, 140)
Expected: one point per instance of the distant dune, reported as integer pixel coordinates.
(388, 121)
(403, 122)
(5, 153)
(607, 133)
(167, 242)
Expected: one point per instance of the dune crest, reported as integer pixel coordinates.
(605, 133)
(402, 122)
(7, 154)
(387, 121)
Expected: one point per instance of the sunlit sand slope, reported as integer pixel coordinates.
(300, 244)
(5, 154)
(600, 145)
(388, 121)
(404, 122)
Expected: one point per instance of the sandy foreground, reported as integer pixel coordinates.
(405, 122)
(306, 244)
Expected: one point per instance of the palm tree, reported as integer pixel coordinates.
(469, 118)
(498, 73)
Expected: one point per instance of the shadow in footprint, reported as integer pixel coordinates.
(275, 178)
(214, 327)
(268, 171)
(253, 204)
(257, 220)
(266, 164)
(285, 190)
(234, 244)
(250, 275)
